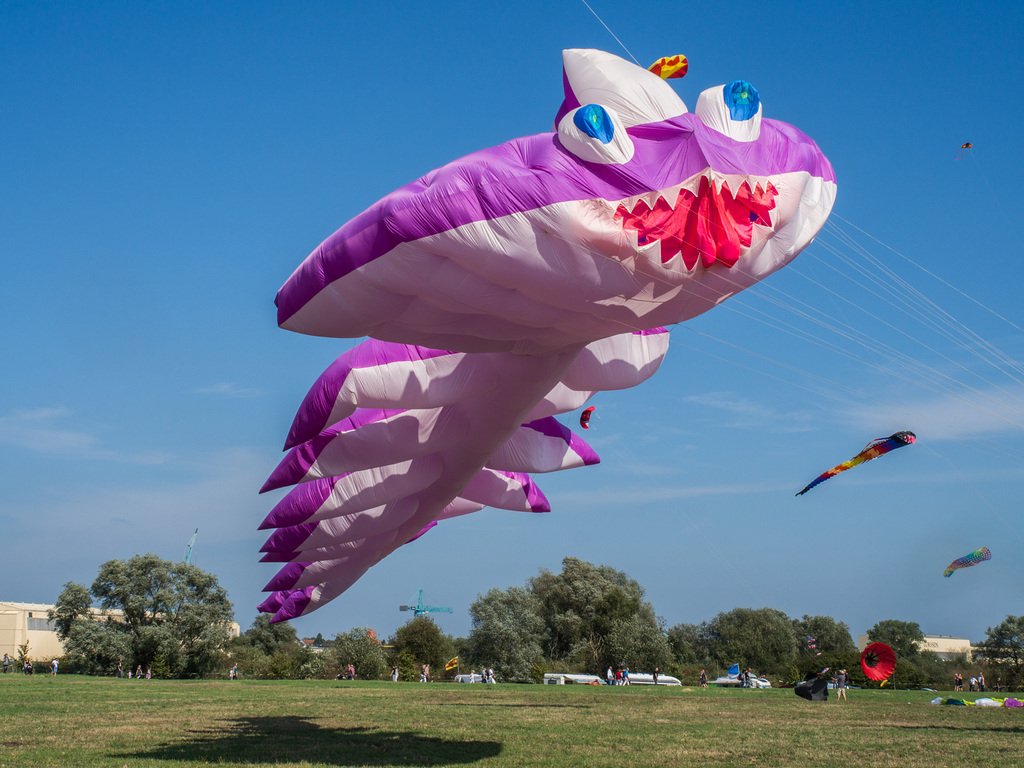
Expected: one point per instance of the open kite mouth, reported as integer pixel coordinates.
(711, 226)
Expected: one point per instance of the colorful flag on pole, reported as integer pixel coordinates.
(451, 664)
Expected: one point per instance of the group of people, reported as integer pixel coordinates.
(487, 675)
(27, 667)
(974, 683)
(618, 676)
(138, 671)
(747, 678)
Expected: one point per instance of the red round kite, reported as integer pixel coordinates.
(878, 661)
(585, 417)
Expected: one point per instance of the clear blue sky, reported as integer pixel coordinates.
(164, 167)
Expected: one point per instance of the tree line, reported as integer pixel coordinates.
(174, 618)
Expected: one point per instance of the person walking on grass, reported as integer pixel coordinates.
(841, 685)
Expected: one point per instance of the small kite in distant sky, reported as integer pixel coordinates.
(585, 417)
(878, 661)
(963, 148)
(878, 447)
(668, 67)
(977, 556)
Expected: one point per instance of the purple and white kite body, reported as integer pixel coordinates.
(509, 287)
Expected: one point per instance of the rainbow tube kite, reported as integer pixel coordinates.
(872, 450)
(977, 556)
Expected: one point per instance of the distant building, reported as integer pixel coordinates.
(946, 647)
(22, 623)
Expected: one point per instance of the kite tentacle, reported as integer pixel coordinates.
(376, 478)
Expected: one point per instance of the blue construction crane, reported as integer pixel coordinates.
(420, 609)
(189, 546)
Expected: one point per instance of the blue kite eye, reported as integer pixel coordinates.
(742, 100)
(595, 121)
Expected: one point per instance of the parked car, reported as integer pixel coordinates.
(729, 681)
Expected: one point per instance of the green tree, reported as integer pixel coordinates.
(267, 650)
(358, 648)
(758, 638)
(639, 643)
(829, 635)
(1004, 646)
(904, 637)
(155, 607)
(686, 643)
(266, 637)
(420, 639)
(72, 604)
(507, 632)
(580, 608)
(95, 647)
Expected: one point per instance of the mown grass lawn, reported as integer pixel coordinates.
(81, 721)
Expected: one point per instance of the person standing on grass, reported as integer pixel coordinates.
(841, 685)
(120, 669)
(394, 673)
(7, 663)
(53, 668)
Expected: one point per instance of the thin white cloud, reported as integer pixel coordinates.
(52, 431)
(984, 413)
(639, 494)
(228, 389)
(748, 413)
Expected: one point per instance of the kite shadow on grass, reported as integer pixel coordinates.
(269, 740)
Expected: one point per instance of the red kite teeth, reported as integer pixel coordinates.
(713, 225)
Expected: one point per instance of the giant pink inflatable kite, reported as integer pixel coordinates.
(509, 287)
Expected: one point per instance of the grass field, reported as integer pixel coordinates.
(81, 721)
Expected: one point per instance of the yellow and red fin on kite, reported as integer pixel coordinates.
(668, 67)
